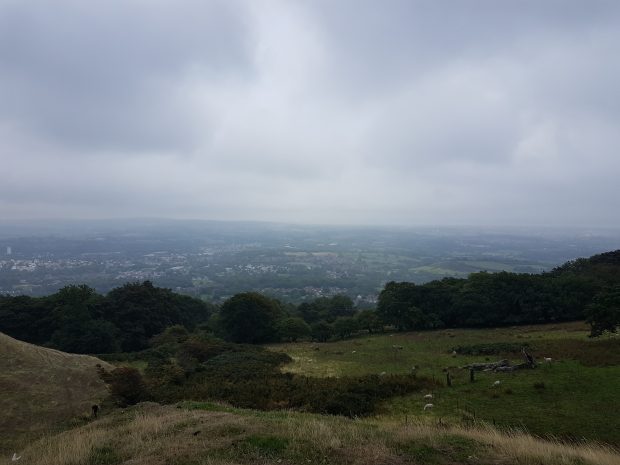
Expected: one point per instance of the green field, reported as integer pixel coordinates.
(573, 397)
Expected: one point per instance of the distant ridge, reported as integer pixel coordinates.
(40, 388)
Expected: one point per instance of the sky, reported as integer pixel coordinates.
(451, 112)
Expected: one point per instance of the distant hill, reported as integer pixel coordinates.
(42, 389)
(604, 267)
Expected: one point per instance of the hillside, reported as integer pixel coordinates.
(572, 397)
(42, 389)
(194, 433)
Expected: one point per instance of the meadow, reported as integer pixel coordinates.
(573, 397)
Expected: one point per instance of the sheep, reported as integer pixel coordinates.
(548, 359)
(428, 396)
(398, 347)
(383, 373)
(454, 353)
(428, 407)
(496, 383)
(15, 458)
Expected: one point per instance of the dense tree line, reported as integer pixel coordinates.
(584, 288)
(78, 319)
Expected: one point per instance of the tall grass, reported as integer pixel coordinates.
(150, 434)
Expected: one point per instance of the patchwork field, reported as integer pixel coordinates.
(573, 397)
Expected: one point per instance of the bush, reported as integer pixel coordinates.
(126, 385)
(247, 376)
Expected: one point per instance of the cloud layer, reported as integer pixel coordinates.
(347, 111)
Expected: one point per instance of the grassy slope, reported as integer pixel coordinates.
(42, 389)
(210, 434)
(579, 397)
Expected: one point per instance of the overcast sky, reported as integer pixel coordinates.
(319, 111)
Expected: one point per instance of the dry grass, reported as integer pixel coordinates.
(43, 388)
(525, 449)
(512, 447)
(154, 435)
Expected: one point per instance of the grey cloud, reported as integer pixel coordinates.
(110, 74)
(376, 47)
(325, 111)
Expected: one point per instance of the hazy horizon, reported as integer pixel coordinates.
(477, 114)
(28, 226)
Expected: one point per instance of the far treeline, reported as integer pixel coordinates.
(78, 319)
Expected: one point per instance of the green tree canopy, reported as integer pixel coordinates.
(251, 318)
(293, 328)
(603, 314)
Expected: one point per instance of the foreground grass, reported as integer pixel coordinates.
(203, 433)
(574, 397)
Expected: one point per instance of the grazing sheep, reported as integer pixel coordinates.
(496, 383)
(353, 351)
(383, 373)
(548, 359)
(15, 458)
(454, 353)
(428, 396)
(428, 407)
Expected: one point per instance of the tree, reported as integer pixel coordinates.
(321, 331)
(309, 312)
(251, 318)
(603, 314)
(345, 326)
(86, 336)
(341, 305)
(292, 329)
(368, 320)
(141, 310)
(126, 386)
(395, 302)
(76, 312)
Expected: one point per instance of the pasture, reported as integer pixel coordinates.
(574, 397)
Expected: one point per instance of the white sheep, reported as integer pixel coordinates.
(383, 373)
(428, 396)
(496, 383)
(454, 353)
(428, 407)
(548, 359)
(15, 458)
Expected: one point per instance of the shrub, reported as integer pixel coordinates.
(126, 385)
